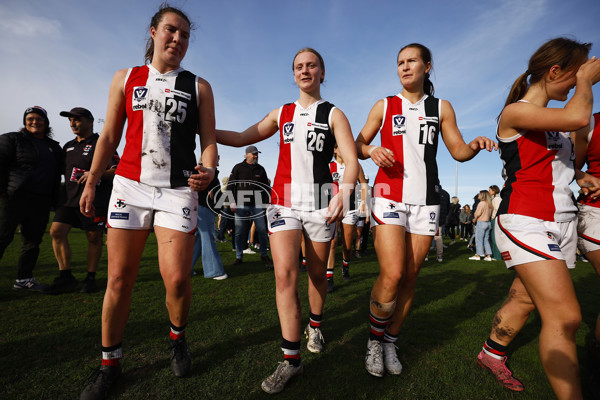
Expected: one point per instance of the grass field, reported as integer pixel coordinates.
(49, 344)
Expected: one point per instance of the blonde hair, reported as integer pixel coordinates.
(484, 195)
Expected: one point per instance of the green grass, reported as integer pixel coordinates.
(49, 344)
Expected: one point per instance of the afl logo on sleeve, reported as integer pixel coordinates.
(139, 100)
(399, 126)
(288, 132)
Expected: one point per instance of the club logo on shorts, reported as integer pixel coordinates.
(398, 125)
(391, 206)
(139, 98)
(277, 215)
(186, 213)
(288, 132)
(120, 204)
(432, 216)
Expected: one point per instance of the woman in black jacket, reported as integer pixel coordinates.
(29, 181)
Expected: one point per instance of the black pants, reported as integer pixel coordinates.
(31, 211)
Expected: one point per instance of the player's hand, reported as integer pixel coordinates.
(202, 179)
(382, 157)
(86, 202)
(590, 185)
(482, 142)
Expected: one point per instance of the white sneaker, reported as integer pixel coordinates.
(374, 358)
(440, 259)
(390, 359)
(284, 372)
(487, 258)
(315, 339)
(220, 277)
(475, 258)
(249, 251)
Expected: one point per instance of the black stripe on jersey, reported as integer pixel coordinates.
(432, 109)
(322, 175)
(509, 154)
(183, 134)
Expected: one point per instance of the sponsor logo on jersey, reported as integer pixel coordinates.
(391, 215)
(180, 93)
(119, 215)
(318, 125)
(120, 204)
(304, 114)
(429, 119)
(413, 109)
(139, 100)
(159, 79)
(398, 125)
(553, 141)
(553, 247)
(69, 149)
(288, 132)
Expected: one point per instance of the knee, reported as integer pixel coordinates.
(391, 278)
(177, 283)
(119, 284)
(57, 234)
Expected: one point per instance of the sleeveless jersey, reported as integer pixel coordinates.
(303, 180)
(337, 174)
(411, 131)
(162, 121)
(538, 168)
(593, 157)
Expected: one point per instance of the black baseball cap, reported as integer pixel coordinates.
(78, 112)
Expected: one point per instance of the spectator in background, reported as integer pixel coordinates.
(77, 155)
(248, 182)
(205, 244)
(494, 191)
(466, 222)
(29, 183)
(452, 219)
(444, 208)
(482, 217)
(471, 244)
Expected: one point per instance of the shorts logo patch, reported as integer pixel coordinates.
(120, 204)
(277, 215)
(119, 215)
(506, 256)
(277, 223)
(391, 215)
(186, 213)
(432, 216)
(391, 206)
(554, 247)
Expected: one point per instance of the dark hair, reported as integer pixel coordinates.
(426, 57)
(568, 54)
(310, 50)
(495, 188)
(164, 8)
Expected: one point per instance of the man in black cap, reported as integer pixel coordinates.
(29, 180)
(249, 186)
(78, 155)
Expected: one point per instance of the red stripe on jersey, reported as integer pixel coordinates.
(283, 177)
(523, 245)
(534, 181)
(131, 163)
(393, 176)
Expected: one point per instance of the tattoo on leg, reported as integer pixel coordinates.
(500, 331)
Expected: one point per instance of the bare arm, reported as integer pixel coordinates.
(574, 116)
(257, 132)
(381, 156)
(347, 148)
(208, 143)
(108, 141)
(581, 145)
(454, 141)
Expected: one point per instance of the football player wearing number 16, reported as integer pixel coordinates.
(406, 195)
(301, 202)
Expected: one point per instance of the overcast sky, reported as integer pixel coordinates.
(63, 54)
